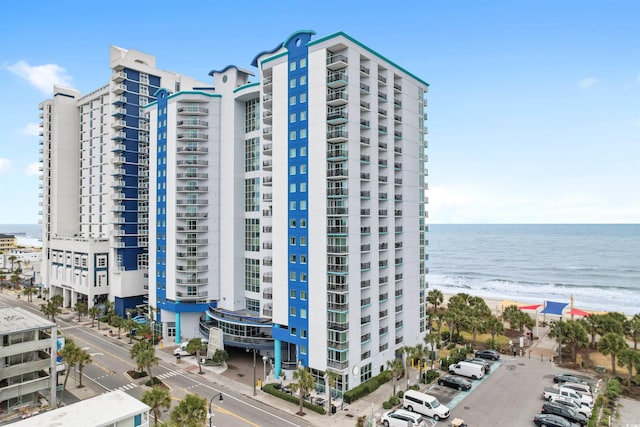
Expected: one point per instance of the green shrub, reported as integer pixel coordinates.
(274, 390)
(400, 394)
(445, 335)
(367, 387)
(451, 346)
(387, 405)
(429, 376)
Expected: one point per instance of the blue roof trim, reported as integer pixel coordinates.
(212, 72)
(254, 63)
(245, 86)
(281, 45)
(204, 88)
(310, 32)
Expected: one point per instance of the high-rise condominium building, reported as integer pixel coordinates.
(288, 213)
(95, 184)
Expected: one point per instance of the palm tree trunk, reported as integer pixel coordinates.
(613, 363)
(64, 385)
(80, 369)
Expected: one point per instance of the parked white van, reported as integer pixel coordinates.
(424, 404)
(467, 369)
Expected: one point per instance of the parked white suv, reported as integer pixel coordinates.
(402, 418)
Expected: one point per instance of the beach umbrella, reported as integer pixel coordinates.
(578, 312)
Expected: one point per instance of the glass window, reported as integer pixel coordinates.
(292, 205)
(252, 305)
(303, 277)
(292, 259)
(252, 275)
(292, 83)
(303, 187)
(252, 115)
(293, 331)
(292, 223)
(303, 313)
(292, 152)
(292, 293)
(303, 98)
(292, 241)
(292, 118)
(303, 133)
(252, 234)
(292, 100)
(303, 150)
(303, 349)
(292, 188)
(303, 333)
(252, 154)
(292, 170)
(303, 223)
(303, 116)
(292, 275)
(251, 195)
(292, 135)
(303, 80)
(292, 311)
(292, 66)
(303, 295)
(303, 62)
(303, 241)
(303, 169)
(303, 205)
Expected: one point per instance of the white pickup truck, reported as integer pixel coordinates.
(550, 392)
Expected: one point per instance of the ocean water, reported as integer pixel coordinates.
(26, 234)
(598, 264)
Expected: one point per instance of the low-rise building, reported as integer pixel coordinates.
(28, 357)
(95, 412)
(7, 242)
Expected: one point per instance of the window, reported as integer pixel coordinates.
(252, 305)
(292, 259)
(303, 313)
(303, 241)
(303, 79)
(292, 152)
(292, 135)
(303, 187)
(292, 241)
(303, 150)
(292, 83)
(303, 116)
(292, 170)
(303, 223)
(251, 195)
(303, 169)
(252, 154)
(303, 295)
(303, 62)
(292, 293)
(292, 205)
(303, 333)
(303, 98)
(303, 349)
(292, 118)
(303, 133)
(292, 223)
(292, 66)
(292, 100)
(252, 234)
(293, 332)
(252, 115)
(303, 205)
(252, 275)
(303, 277)
(292, 311)
(292, 275)
(292, 188)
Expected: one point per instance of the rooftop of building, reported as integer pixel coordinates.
(16, 319)
(90, 412)
(7, 236)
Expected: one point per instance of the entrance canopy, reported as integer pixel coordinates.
(552, 307)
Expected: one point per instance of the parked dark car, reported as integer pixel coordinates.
(454, 382)
(564, 412)
(488, 354)
(568, 378)
(550, 420)
(486, 365)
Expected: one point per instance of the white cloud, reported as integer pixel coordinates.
(31, 129)
(5, 165)
(33, 169)
(587, 82)
(43, 77)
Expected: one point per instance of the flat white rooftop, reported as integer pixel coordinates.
(16, 319)
(99, 411)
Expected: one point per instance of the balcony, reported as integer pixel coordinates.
(193, 109)
(364, 88)
(382, 129)
(119, 76)
(267, 261)
(119, 135)
(365, 194)
(382, 80)
(337, 135)
(364, 140)
(119, 88)
(267, 180)
(192, 295)
(267, 132)
(120, 111)
(191, 268)
(337, 61)
(382, 112)
(397, 134)
(337, 210)
(267, 278)
(364, 70)
(192, 202)
(338, 230)
(192, 188)
(267, 164)
(365, 158)
(267, 116)
(338, 97)
(267, 98)
(193, 162)
(267, 293)
(397, 103)
(382, 97)
(191, 175)
(397, 181)
(337, 192)
(193, 149)
(365, 106)
(337, 173)
(192, 123)
(337, 154)
(365, 124)
(119, 100)
(337, 116)
(337, 79)
(397, 118)
(267, 148)
(192, 228)
(191, 281)
(192, 136)
(267, 245)
(191, 215)
(192, 254)
(365, 176)
(365, 212)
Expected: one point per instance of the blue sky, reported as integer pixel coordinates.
(534, 107)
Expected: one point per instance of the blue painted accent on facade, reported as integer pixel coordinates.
(254, 63)
(297, 200)
(178, 329)
(160, 208)
(121, 304)
(212, 72)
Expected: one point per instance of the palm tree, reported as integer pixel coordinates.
(629, 358)
(419, 352)
(332, 378)
(576, 337)
(190, 412)
(130, 325)
(494, 326)
(303, 385)
(50, 309)
(157, 398)
(45, 292)
(435, 297)
(94, 312)
(118, 322)
(69, 353)
(395, 366)
(592, 325)
(612, 343)
(475, 324)
(195, 346)
(29, 293)
(83, 358)
(80, 308)
(58, 300)
(144, 355)
(559, 331)
(633, 329)
(12, 260)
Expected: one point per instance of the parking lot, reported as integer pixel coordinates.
(510, 395)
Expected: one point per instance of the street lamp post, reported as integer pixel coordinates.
(210, 414)
(264, 373)
(254, 369)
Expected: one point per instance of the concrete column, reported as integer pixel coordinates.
(178, 332)
(277, 357)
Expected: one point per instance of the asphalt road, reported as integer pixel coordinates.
(111, 361)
